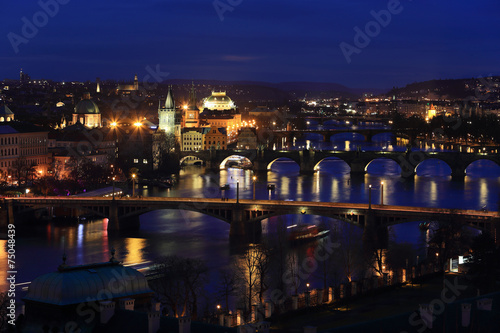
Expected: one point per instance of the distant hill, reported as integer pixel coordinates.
(291, 89)
(480, 88)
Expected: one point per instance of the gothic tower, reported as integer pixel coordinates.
(166, 114)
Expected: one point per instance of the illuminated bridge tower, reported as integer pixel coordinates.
(166, 114)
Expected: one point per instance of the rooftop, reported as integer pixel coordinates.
(84, 283)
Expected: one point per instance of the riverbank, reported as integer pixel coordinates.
(390, 310)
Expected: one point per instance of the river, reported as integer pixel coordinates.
(189, 234)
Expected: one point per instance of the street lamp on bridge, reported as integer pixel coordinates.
(113, 188)
(370, 196)
(254, 179)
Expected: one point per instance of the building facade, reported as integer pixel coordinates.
(215, 138)
(23, 150)
(247, 138)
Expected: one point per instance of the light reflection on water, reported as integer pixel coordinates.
(192, 234)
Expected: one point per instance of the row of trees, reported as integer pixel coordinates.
(273, 269)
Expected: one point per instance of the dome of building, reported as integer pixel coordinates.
(218, 101)
(86, 106)
(78, 284)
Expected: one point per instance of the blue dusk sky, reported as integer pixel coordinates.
(358, 43)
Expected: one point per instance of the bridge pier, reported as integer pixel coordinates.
(6, 214)
(113, 220)
(259, 167)
(243, 231)
(358, 167)
(212, 166)
(307, 162)
(458, 173)
(375, 235)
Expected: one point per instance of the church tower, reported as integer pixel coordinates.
(166, 114)
(136, 83)
(192, 113)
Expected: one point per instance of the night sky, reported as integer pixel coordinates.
(259, 40)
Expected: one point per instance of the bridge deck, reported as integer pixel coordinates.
(262, 204)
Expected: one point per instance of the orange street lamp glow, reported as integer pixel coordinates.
(113, 124)
(138, 124)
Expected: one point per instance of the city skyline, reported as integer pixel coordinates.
(359, 44)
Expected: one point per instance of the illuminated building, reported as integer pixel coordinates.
(77, 141)
(166, 114)
(192, 138)
(215, 138)
(6, 114)
(229, 121)
(127, 88)
(23, 145)
(87, 113)
(431, 112)
(218, 101)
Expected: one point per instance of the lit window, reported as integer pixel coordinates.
(136, 160)
(145, 161)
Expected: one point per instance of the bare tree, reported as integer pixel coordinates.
(180, 281)
(349, 254)
(248, 273)
(263, 265)
(228, 285)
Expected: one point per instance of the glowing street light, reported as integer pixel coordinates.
(113, 124)
(254, 179)
(113, 188)
(138, 124)
(27, 191)
(370, 196)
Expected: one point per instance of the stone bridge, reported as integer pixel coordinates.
(245, 216)
(367, 133)
(358, 161)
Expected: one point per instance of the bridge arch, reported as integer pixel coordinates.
(333, 162)
(433, 167)
(190, 158)
(383, 166)
(486, 166)
(283, 158)
(226, 162)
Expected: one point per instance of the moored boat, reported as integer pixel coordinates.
(306, 232)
